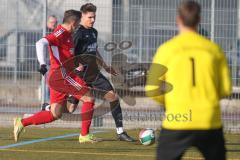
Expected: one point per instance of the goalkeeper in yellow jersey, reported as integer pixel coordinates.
(198, 72)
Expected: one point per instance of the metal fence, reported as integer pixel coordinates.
(144, 23)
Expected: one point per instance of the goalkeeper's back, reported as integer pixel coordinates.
(199, 75)
(198, 72)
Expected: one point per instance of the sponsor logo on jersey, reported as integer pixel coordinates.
(92, 47)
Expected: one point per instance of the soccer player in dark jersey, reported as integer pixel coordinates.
(199, 74)
(61, 79)
(86, 51)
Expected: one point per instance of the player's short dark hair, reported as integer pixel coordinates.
(88, 7)
(71, 15)
(189, 11)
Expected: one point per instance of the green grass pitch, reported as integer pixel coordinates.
(109, 149)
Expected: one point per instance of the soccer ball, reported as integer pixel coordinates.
(147, 136)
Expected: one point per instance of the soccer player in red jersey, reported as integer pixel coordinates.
(61, 79)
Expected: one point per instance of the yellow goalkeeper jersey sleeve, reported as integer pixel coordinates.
(199, 75)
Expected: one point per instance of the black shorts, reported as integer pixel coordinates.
(101, 86)
(173, 143)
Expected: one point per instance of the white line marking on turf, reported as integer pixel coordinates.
(42, 140)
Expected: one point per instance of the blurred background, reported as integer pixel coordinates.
(145, 23)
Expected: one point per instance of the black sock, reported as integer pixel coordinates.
(116, 113)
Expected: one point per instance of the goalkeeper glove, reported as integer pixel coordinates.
(43, 69)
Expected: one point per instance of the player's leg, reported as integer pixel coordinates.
(41, 117)
(46, 106)
(87, 99)
(211, 144)
(86, 115)
(57, 101)
(116, 110)
(104, 87)
(172, 144)
(72, 104)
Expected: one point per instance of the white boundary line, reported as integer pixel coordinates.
(42, 140)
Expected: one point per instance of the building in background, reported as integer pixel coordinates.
(146, 23)
(23, 24)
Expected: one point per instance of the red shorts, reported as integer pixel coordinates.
(62, 86)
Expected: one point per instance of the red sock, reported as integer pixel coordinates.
(38, 118)
(87, 113)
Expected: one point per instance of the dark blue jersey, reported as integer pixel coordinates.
(85, 44)
(85, 41)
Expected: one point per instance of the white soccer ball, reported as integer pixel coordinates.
(147, 136)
